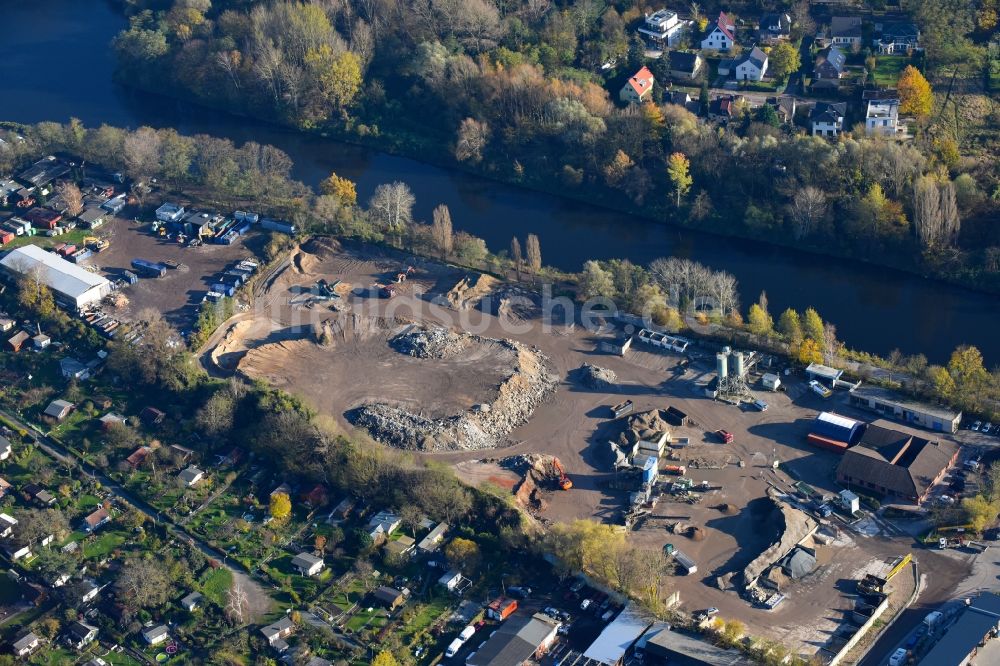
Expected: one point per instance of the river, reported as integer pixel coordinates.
(55, 63)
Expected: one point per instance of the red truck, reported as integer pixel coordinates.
(724, 436)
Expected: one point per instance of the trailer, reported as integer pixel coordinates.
(149, 268)
(622, 408)
(675, 416)
(686, 563)
(224, 289)
(276, 225)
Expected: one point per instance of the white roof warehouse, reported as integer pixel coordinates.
(71, 284)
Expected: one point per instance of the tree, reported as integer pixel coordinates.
(790, 327)
(343, 189)
(141, 153)
(533, 251)
(473, 137)
(915, 95)
(216, 417)
(678, 169)
(812, 325)
(463, 554)
(784, 60)
(384, 658)
(810, 352)
(71, 196)
(979, 512)
(515, 255)
(336, 75)
(807, 210)
(441, 231)
(595, 282)
(237, 604)
(142, 584)
(759, 321)
(392, 206)
(33, 525)
(280, 507)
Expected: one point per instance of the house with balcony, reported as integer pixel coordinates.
(663, 29)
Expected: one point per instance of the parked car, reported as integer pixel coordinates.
(976, 426)
(585, 604)
(760, 405)
(819, 389)
(551, 612)
(519, 592)
(987, 428)
(898, 657)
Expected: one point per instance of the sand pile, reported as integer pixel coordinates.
(468, 292)
(597, 377)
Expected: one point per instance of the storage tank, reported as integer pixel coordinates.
(722, 364)
(739, 368)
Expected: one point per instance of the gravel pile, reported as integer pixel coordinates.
(477, 429)
(597, 377)
(430, 343)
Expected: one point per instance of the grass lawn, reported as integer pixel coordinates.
(10, 591)
(74, 236)
(215, 585)
(56, 656)
(426, 616)
(888, 68)
(103, 545)
(87, 502)
(365, 620)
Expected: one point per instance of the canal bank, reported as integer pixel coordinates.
(57, 66)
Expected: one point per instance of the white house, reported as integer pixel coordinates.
(155, 635)
(662, 28)
(308, 564)
(882, 117)
(638, 88)
(827, 119)
(190, 476)
(722, 36)
(7, 523)
(752, 66)
(450, 580)
(191, 601)
(382, 524)
(170, 212)
(5, 448)
(845, 30)
(26, 644)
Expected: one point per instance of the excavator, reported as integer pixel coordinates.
(562, 480)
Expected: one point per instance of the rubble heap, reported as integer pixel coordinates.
(597, 377)
(435, 342)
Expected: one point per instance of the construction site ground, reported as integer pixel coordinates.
(178, 294)
(575, 423)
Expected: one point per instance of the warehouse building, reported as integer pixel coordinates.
(896, 464)
(615, 642)
(835, 432)
(676, 648)
(895, 407)
(824, 374)
(970, 636)
(518, 640)
(72, 286)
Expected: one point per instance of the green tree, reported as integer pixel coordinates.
(678, 169)
(784, 60)
(384, 658)
(337, 75)
(463, 554)
(342, 188)
(790, 326)
(809, 352)
(759, 321)
(281, 506)
(812, 325)
(915, 95)
(595, 282)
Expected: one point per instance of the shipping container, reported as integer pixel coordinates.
(81, 255)
(828, 444)
(149, 268)
(131, 277)
(226, 289)
(275, 225)
(213, 297)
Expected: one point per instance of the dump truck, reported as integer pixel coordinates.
(674, 469)
(724, 436)
(622, 408)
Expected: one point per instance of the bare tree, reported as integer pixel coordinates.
(807, 209)
(72, 197)
(473, 135)
(927, 211)
(229, 62)
(441, 230)
(142, 153)
(950, 221)
(392, 206)
(515, 255)
(237, 603)
(534, 251)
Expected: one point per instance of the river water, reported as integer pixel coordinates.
(55, 63)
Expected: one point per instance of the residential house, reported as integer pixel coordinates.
(896, 464)
(181, 453)
(450, 581)
(7, 523)
(26, 644)
(41, 341)
(5, 487)
(89, 591)
(681, 98)
(80, 634)
(45, 498)
(722, 35)
(156, 634)
(663, 29)
(16, 551)
(751, 66)
(283, 489)
(110, 420)
(42, 218)
(846, 30)
(169, 212)
(722, 108)
(685, 65)
(190, 476)
(342, 511)
(639, 88)
(137, 457)
(70, 368)
(829, 64)
(319, 661)
(95, 520)
(5, 448)
(58, 409)
(93, 218)
(382, 524)
(401, 548)
(785, 106)
(432, 542)
(827, 119)
(774, 27)
(315, 496)
(152, 416)
(389, 597)
(17, 341)
(6, 323)
(191, 601)
(308, 564)
(882, 117)
(276, 633)
(897, 37)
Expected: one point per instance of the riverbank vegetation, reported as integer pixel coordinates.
(517, 91)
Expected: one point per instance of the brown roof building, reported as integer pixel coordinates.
(896, 464)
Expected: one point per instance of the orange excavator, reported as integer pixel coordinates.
(559, 473)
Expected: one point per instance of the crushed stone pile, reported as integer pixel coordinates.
(436, 342)
(597, 377)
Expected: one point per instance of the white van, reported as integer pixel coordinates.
(760, 405)
(454, 647)
(467, 633)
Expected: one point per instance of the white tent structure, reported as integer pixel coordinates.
(73, 286)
